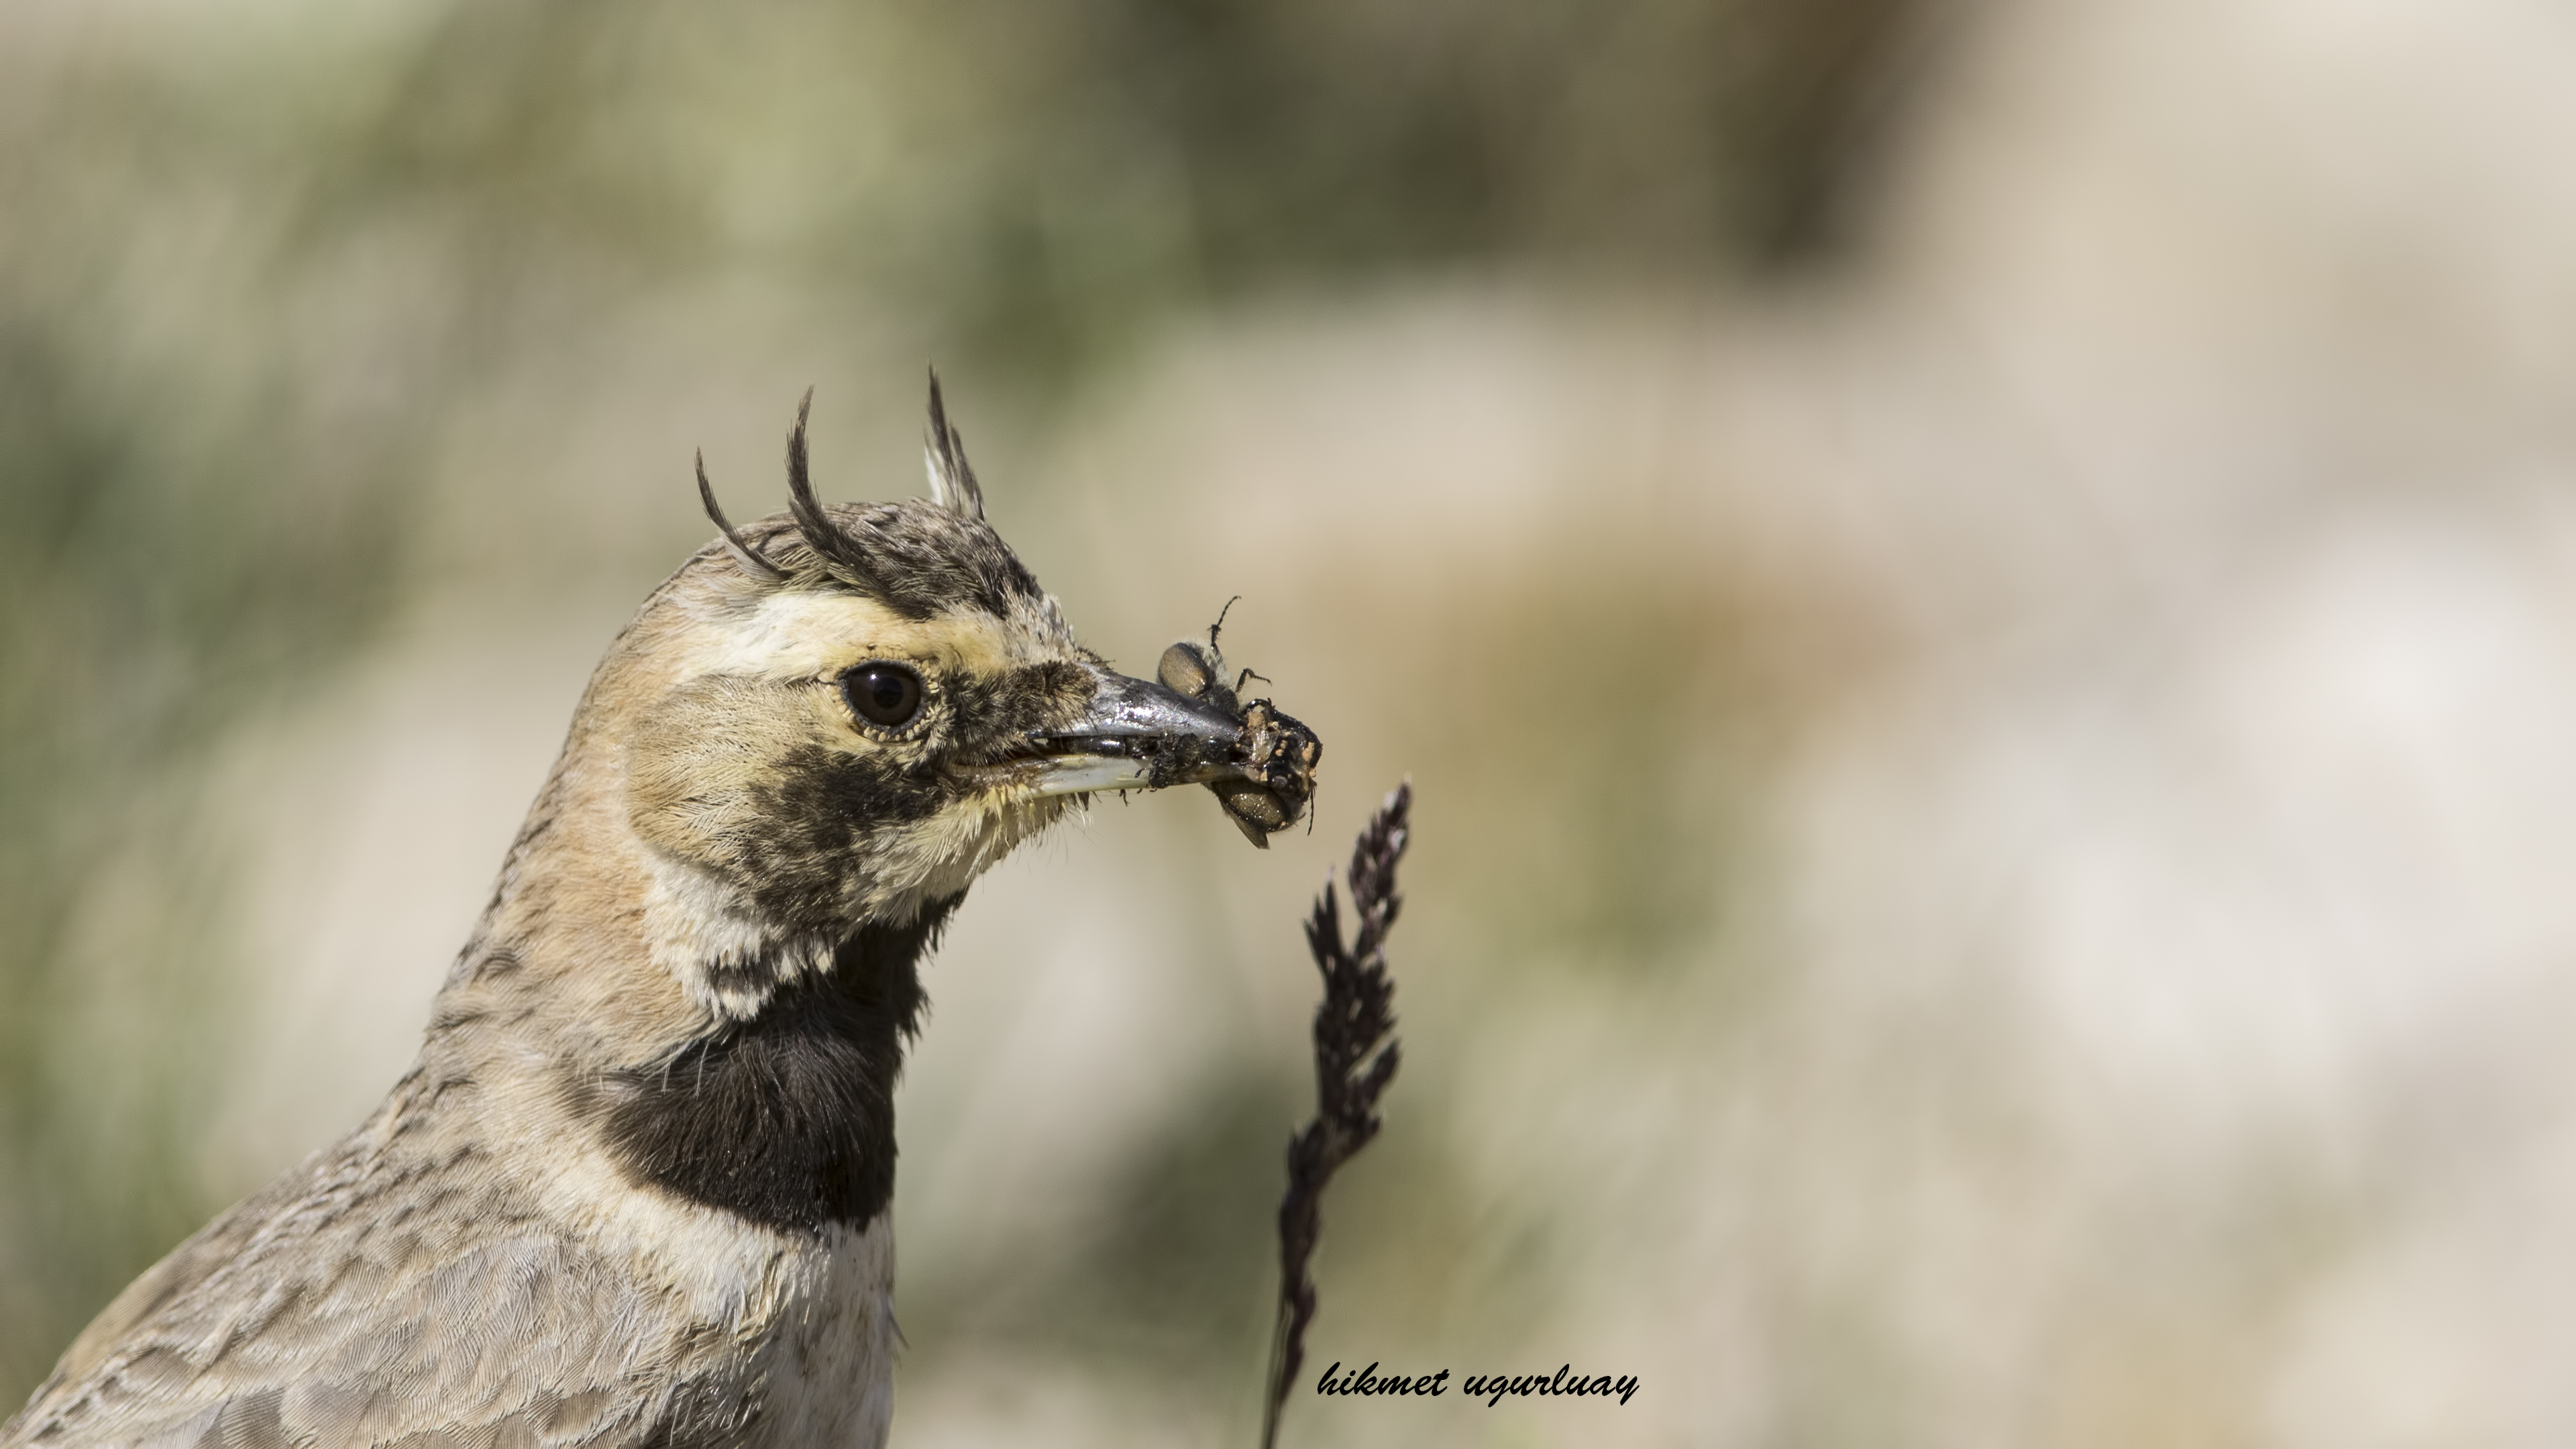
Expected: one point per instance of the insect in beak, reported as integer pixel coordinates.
(1142, 735)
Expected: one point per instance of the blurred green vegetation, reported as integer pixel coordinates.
(249, 262)
(1029, 186)
(157, 577)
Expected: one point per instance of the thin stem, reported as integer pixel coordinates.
(1356, 1056)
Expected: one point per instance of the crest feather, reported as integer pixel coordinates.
(821, 535)
(952, 478)
(743, 554)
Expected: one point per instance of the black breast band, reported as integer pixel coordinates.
(788, 1118)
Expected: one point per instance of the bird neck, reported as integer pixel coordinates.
(786, 1118)
(563, 1016)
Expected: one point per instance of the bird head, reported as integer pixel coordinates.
(843, 714)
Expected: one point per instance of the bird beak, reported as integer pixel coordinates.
(1137, 735)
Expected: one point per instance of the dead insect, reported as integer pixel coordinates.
(1276, 754)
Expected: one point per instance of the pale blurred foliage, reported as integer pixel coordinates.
(1992, 815)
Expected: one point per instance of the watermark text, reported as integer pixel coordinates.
(1492, 1388)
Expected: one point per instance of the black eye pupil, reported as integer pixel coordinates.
(884, 694)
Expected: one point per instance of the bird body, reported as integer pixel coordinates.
(635, 1190)
(405, 1287)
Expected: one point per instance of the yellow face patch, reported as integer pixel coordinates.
(814, 634)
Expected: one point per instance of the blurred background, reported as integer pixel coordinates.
(1980, 597)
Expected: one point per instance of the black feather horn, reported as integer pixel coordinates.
(821, 534)
(743, 553)
(952, 478)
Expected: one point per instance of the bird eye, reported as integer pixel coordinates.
(883, 694)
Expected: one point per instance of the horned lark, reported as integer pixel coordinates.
(634, 1191)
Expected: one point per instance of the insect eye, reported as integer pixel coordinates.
(888, 695)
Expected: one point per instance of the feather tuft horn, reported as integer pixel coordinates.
(952, 478)
(821, 534)
(744, 554)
